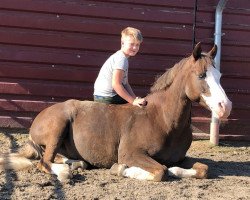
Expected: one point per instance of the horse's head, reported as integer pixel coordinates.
(203, 84)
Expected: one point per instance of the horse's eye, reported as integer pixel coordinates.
(202, 76)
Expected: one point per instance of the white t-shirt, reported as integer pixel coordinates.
(103, 83)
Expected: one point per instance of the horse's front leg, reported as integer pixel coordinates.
(139, 166)
(189, 168)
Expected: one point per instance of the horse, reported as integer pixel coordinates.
(147, 143)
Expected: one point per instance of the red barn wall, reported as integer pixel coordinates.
(52, 50)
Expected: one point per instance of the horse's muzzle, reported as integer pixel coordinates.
(224, 109)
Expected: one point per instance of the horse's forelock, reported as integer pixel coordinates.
(205, 61)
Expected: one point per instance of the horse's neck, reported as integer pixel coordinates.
(173, 108)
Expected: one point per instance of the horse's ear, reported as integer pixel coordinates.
(213, 51)
(197, 51)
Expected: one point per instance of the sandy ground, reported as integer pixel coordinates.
(229, 178)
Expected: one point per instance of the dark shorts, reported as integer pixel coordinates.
(110, 100)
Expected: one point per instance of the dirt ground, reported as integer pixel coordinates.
(229, 178)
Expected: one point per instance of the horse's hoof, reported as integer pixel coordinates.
(64, 177)
(65, 173)
(201, 170)
(118, 169)
(160, 175)
(79, 164)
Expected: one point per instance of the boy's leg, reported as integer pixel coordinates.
(110, 100)
(118, 100)
(101, 99)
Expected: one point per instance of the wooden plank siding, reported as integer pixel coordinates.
(52, 50)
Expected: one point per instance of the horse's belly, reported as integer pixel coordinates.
(97, 151)
(98, 156)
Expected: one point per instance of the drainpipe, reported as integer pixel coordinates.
(194, 24)
(215, 122)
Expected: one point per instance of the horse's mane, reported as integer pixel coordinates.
(165, 80)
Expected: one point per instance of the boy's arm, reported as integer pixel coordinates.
(123, 92)
(119, 88)
(129, 89)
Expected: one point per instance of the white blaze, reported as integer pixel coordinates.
(218, 102)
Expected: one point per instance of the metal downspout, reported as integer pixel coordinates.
(215, 123)
(194, 24)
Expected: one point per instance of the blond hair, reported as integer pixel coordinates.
(132, 32)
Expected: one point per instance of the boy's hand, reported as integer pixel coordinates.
(139, 102)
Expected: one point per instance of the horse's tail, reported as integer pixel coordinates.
(21, 159)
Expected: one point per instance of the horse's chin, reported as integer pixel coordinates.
(219, 115)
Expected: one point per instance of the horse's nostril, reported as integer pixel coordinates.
(222, 104)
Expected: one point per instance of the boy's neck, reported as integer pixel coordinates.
(127, 56)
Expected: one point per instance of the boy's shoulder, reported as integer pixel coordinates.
(119, 55)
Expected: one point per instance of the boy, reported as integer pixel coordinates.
(111, 85)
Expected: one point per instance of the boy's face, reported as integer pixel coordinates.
(130, 46)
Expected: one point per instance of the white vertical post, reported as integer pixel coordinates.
(215, 122)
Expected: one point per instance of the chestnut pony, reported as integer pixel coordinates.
(145, 143)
